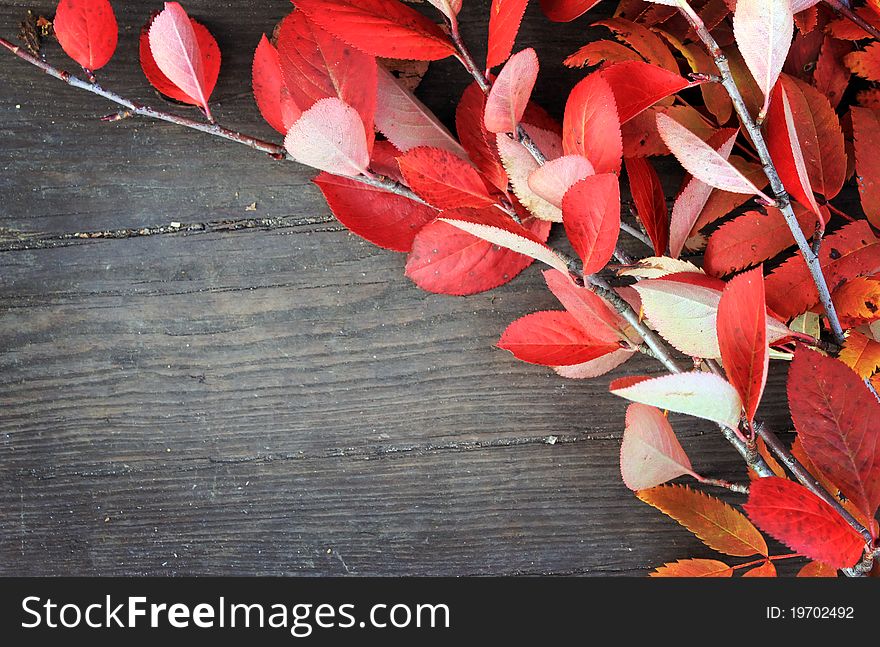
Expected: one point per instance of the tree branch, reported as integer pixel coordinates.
(853, 17)
(783, 201)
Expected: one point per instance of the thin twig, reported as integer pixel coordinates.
(783, 202)
(635, 233)
(853, 17)
(733, 487)
(276, 151)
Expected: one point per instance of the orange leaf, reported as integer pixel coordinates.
(817, 569)
(858, 298)
(767, 569)
(861, 354)
(694, 568)
(866, 135)
(717, 524)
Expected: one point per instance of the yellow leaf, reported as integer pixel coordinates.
(718, 525)
(861, 354)
(767, 569)
(694, 568)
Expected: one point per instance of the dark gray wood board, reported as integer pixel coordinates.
(264, 393)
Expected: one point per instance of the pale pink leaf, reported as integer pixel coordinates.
(557, 176)
(330, 136)
(176, 52)
(650, 453)
(448, 8)
(405, 120)
(763, 31)
(547, 141)
(701, 160)
(703, 395)
(510, 92)
(520, 164)
(510, 240)
(596, 367)
(690, 203)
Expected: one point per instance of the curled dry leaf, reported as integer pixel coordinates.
(510, 92)
(330, 136)
(650, 453)
(87, 31)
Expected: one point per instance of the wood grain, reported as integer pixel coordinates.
(261, 392)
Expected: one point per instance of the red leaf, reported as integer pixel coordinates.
(552, 339)
(591, 215)
(637, 86)
(849, 252)
(476, 139)
(505, 17)
(752, 238)
(510, 92)
(442, 179)
(866, 133)
(801, 520)
(447, 260)
(587, 307)
(566, 10)
(385, 219)
(384, 28)
(650, 201)
(831, 76)
(591, 126)
(835, 416)
(87, 31)
(316, 65)
(270, 92)
(210, 53)
(742, 337)
(179, 54)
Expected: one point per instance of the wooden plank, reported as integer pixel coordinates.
(271, 395)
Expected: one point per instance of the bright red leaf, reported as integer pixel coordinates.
(87, 31)
(270, 91)
(552, 338)
(476, 140)
(179, 53)
(742, 337)
(385, 219)
(385, 28)
(650, 201)
(802, 521)
(447, 260)
(836, 416)
(316, 65)
(442, 179)
(638, 86)
(566, 10)
(588, 308)
(510, 92)
(505, 17)
(591, 126)
(591, 215)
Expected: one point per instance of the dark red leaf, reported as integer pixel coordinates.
(591, 215)
(384, 28)
(835, 416)
(385, 219)
(566, 10)
(505, 17)
(552, 339)
(87, 31)
(476, 139)
(650, 201)
(442, 179)
(802, 521)
(742, 337)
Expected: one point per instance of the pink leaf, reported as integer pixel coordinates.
(595, 367)
(763, 30)
(554, 178)
(510, 92)
(330, 136)
(701, 160)
(591, 215)
(519, 164)
(650, 454)
(177, 53)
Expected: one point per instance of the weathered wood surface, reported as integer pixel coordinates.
(269, 394)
